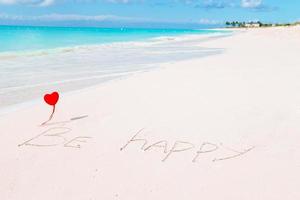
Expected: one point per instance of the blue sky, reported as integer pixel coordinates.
(145, 13)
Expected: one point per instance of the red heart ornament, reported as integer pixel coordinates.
(51, 99)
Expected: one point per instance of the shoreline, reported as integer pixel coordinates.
(40, 52)
(144, 39)
(80, 49)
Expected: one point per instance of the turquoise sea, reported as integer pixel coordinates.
(38, 60)
(30, 38)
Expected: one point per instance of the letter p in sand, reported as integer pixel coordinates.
(179, 147)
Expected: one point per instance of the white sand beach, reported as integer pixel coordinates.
(225, 126)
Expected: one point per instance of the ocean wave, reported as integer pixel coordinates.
(86, 47)
(27, 75)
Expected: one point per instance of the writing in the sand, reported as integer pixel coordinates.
(218, 152)
(57, 135)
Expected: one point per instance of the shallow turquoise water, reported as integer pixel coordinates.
(26, 73)
(30, 38)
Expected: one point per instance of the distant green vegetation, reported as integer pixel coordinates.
(257, 24)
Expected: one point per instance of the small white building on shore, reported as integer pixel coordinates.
(252, 25)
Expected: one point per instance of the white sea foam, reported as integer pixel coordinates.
(28, 75)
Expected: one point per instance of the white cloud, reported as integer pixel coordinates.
(7, 1)
(46, 2)
(50, 2)
(55, 17)
(75, 17)
(205, 3)
(28, 2)
(209, 21)
(118, 1)
(66, 17)
(251, 3)
(124, 1)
